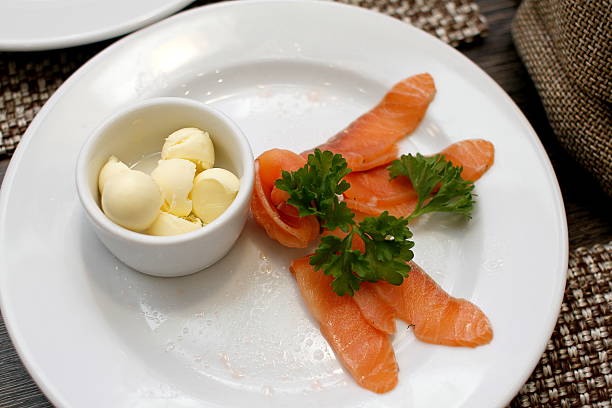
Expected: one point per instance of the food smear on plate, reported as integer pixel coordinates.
(357, 196)
(182, 194)
(365, 351)
(369, 141)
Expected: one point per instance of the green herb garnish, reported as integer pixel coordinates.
(315, 190)
(438, 184)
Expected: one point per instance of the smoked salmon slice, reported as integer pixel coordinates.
(375, 186)
(437, 317)
(374, 309)
(365, 352)
(474, 155)
(280, 220)
(372, 192)
(369, 141)
(397, 210)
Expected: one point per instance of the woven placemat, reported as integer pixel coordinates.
(574, 371)
(576, 368)
(452, 21)
(27, 80)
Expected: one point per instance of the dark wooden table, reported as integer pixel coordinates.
(587, 207)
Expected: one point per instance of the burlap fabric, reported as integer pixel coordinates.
(27, 80)
(566, 46)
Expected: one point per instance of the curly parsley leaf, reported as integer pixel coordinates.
(336, 258)
(388, 248)
(438, 184)
(314, 189)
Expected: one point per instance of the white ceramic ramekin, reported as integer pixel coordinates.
(139, 131)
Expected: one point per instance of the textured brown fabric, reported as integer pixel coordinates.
(566, 46)
(27, 80)
(576, 367)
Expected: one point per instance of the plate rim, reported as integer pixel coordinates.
(145, 18)
(46, 386)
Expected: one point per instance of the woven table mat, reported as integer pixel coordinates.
(27, 80)
(575, 369)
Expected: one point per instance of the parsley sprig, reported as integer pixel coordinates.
(453, 194)
(316, 188)
(387, 251)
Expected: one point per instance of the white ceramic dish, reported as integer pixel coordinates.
(139, 131)
(95, 333)
(29, 25)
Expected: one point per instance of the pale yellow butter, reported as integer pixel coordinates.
(112, 168)
(213, 191)
(168, 224)
(190, 144)
(131, 199)
(175, 180)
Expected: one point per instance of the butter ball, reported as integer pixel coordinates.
(112, 167)
(190, 144)
(168, 224)
(213, 191)
(132, 200)
(175, 180)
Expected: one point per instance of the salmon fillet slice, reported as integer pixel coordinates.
(374, 309)
(476, 156)
(376, 187)
(437, 317)
(369, 141)
(280, 221)
(372, 193)
(365, 352)
(397, 210)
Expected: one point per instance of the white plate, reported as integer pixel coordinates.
(95, 334)
(28, 25)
